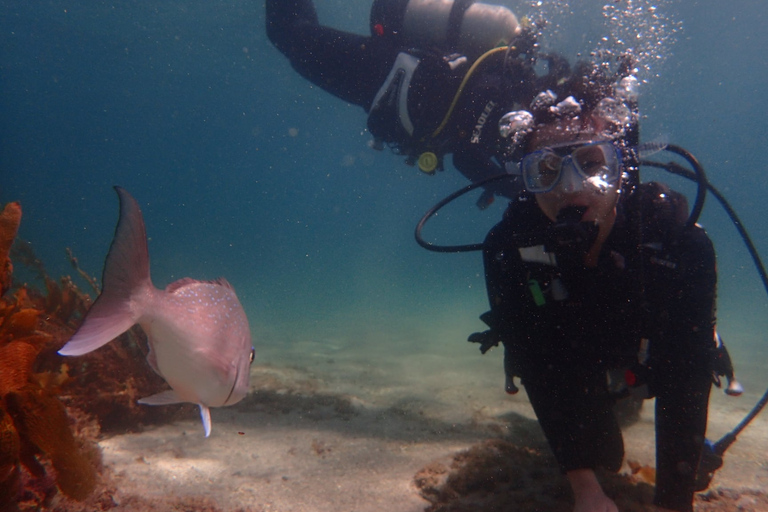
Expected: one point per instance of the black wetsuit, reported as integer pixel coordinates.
(354, 68)
(565, 325)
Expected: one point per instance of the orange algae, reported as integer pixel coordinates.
(34, 425)
(9, 458)
(9, 226)
(42, 421)
(642, 473)
(44, 397)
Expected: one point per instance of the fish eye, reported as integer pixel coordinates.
(252, 356)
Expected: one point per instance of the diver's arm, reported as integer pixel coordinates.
(349, 66)
(505, 274)
(285, 18)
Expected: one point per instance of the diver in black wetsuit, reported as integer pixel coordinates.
(408, 76)
(590, 272)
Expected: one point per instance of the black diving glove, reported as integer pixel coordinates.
(491, 338)
(487, 339)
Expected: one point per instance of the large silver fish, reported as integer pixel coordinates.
(199, 339)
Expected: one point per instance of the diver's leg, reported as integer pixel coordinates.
(681, 422)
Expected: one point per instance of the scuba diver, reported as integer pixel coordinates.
(434, 76)
(600, 287)
(603, 288)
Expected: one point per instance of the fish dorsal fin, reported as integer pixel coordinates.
(223, 282)
(186, 281)
(181, 283)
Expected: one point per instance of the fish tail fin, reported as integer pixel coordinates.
(126, 276)
(205, 414)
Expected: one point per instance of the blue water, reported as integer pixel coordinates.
(244, 170)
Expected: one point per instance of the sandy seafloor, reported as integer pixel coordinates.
(345, 424)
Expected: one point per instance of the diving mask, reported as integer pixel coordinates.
(595, 163)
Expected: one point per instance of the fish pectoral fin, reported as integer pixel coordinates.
(162, 398)
(170, 397)
(205, 414)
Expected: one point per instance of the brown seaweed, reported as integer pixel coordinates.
(33, 422)
(498, 475)
(10, 220)
(52, 409)
(42, 421)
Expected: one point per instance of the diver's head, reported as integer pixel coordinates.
(571, 163)
(574, 144)
(574, 172)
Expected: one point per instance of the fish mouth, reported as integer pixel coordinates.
(234, 384)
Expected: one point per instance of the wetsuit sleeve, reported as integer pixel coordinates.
(349, 66)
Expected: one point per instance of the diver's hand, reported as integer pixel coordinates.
(487, 339)
(588, 494)
(597, 503)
